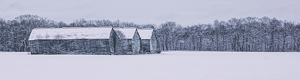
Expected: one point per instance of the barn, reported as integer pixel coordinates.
(149, 41)
(75, 40)
(128, 41)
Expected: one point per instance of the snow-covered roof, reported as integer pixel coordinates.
(127, 32)
(71, 33)
(145, 33)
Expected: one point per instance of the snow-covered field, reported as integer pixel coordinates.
(175, 65)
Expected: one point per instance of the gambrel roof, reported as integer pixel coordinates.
(145, 33)
(71, 33)
(127, 32)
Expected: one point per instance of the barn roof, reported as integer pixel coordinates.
(71, 33)
(145, 33)
(127, 32)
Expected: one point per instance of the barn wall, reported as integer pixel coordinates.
(127, 45)
(145, 45)
(118, 47)
(34, 47)
(75, 46)
(123, 46)
(136, 43)
(112, 41)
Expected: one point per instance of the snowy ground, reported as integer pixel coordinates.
(177, 65)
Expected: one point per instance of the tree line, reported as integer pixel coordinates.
(245, 34)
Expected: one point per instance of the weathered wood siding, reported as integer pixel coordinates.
(112, 41)
(34, 46)
(123, 46)
(136, 43)
(127, 45)
(72, 46)
(146, 45)
(119, 46)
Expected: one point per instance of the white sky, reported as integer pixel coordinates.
(184, 12)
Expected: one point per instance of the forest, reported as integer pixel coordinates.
(250, 34)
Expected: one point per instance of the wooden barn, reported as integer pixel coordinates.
(128, 41)
(149, 41)
(90, 40)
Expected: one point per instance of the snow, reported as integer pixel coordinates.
(145, 33)
(173, 65)
(127, 32)
(71, 33)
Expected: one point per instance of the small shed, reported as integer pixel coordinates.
(128, 41)
(74, 40)
(149, 41)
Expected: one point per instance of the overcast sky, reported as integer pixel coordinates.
(184, 12)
